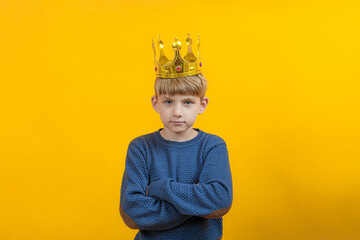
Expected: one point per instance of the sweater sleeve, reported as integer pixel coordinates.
(138, 210)
(211, 198)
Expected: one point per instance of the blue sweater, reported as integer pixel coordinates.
(189, 187)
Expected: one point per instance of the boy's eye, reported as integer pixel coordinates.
(167, 101)
(188, 102)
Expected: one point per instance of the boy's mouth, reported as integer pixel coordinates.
(176, 122)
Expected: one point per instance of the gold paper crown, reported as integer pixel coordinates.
(178, 67)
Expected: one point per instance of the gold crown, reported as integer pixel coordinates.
(177, 67)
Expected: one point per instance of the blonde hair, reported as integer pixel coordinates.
(195, 85)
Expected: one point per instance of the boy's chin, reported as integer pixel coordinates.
(179, 128)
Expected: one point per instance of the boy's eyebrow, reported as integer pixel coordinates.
(191, 99)
(166, 98)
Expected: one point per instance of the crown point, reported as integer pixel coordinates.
(188, 41)
(176, 45)
(160, 43)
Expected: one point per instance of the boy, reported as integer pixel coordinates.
(177, 181)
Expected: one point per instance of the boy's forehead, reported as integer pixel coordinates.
(178, 96)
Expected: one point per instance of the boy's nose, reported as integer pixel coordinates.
(178, 111)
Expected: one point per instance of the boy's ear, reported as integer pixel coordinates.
(155, 102)
(203, 104)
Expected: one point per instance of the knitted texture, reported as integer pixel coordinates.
(189, 187)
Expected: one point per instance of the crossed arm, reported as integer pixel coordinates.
(138, 210)
(165, 204)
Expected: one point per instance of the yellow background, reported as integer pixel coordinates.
(76, 78)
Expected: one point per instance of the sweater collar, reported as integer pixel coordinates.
(175, 143)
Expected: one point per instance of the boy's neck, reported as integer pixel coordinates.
(178, 137)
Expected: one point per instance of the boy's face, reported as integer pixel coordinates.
(179, 112)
